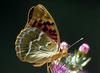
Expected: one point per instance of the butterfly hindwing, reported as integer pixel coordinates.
(39, 17)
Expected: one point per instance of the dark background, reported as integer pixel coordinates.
(75, 19)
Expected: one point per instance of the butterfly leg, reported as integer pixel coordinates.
(48, 68)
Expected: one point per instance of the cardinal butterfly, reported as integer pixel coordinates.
(38, 42)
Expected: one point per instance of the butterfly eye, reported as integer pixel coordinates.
(64, 45)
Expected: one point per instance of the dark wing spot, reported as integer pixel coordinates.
(34, 24)
(48, 23)
(51, 23)
(52, 31)
(40, 20)
(39, 24)
(45, 29)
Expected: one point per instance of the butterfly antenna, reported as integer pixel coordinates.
(76, 42)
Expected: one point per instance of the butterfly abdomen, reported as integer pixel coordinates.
(31, 40)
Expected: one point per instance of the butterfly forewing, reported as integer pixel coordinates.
(39, 17)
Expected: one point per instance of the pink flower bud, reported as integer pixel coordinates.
(63, 45)
(84, 48)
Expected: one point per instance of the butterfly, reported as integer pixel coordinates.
(38, 42)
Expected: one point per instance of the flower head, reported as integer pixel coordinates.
(84, 48)
(59, 68)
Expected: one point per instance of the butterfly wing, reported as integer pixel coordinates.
(39, 17)
(39, 40)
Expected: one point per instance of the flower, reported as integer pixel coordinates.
(84, 48)
(63, 45)
(59, 68)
